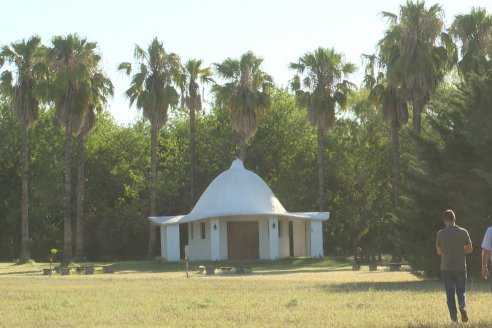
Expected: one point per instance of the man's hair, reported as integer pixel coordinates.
(449, 215)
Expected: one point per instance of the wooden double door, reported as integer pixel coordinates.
(243, 240)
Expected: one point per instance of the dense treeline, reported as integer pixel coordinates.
(117, 163)
(385, 182)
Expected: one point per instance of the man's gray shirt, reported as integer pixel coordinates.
(452, 240)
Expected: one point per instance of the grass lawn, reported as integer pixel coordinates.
(293, 293)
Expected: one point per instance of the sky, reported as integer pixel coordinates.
(280, 31)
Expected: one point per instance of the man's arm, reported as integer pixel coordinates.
(485, 260)
(438, 245)
(468, 243)
(486, 248)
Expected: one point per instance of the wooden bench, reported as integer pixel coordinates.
(372, 266)
(243, 269)
(226, 269)
(209, 269)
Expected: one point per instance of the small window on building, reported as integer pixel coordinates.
(192, 233)
(202, 230)
(279, 229)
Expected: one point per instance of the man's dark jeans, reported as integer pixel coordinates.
(455, 282)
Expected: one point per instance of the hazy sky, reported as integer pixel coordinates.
(278, 30)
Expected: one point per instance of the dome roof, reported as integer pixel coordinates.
(237, 191)
(234, 192)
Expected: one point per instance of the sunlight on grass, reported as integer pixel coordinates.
(149, 294)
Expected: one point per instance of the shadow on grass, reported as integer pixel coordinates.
(429, 286)
(424, 286)
(284, 266)
(146, 267)
(477, 324)
(289, 271)
(27, 272)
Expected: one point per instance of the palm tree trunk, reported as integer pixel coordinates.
(79, 220)
(24, 253)
(417, 116)
(192, 156)
(153, 187)
(395, 152)
(67, 219)
(321, 166)
(242, 148)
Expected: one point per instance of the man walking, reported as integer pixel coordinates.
(486, 252)
(452, 244)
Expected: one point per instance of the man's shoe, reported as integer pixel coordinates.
(464, 315)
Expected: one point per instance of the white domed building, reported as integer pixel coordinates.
(239, 218)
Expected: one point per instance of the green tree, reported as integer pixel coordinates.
(391, 100)
(417, 53)
(320, 87)
(72, 62)
(247, 90)
(20, 87)
(153, 89)
(474, 32)
(101, 88)
(194, 72)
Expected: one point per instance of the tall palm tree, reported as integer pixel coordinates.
(153, 89)
(320, 87)
(20, 87)
(474, 32)
(391, 100)
(101, 88)
(194, 72)
(247, 89)
(417, 53)
(72, 62)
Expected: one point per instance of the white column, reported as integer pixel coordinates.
(273, 237)
(172, 243)
(317, 239)
(214, 239)
(163, 242)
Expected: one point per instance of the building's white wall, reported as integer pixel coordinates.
(299, 233)
(172, 243)
(283, 240)
(273, 242)
(198, 248)
(223, 238)
(263, 238)
(317, 239)
(215, 241)
(307, 238)
(163, 242)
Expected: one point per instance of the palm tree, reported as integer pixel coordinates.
(101, 88)
(20, 87)
(474, 32)
(194, 72)
(417, 53)
(247, 90)
(72, 62)
(391, 100)
(320, 87)
(153, 90)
